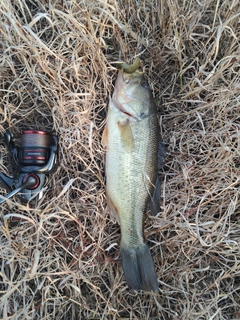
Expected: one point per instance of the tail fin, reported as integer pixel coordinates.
(139, 269)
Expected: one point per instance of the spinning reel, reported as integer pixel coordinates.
(34, 155)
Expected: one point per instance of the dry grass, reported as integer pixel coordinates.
(61, 260)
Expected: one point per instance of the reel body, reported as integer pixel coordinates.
(34, 155)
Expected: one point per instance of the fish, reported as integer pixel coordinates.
(134, 154)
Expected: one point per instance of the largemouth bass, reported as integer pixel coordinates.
(132, 139)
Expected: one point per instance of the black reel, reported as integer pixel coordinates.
(34, 155)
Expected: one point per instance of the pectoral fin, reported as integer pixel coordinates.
(126, 134)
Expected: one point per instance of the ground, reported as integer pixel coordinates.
(60, 260)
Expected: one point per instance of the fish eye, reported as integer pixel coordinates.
(144, 84)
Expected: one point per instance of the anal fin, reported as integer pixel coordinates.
(112, 210)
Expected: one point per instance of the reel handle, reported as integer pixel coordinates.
(30, 182)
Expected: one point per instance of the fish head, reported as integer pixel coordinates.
(132, 95)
